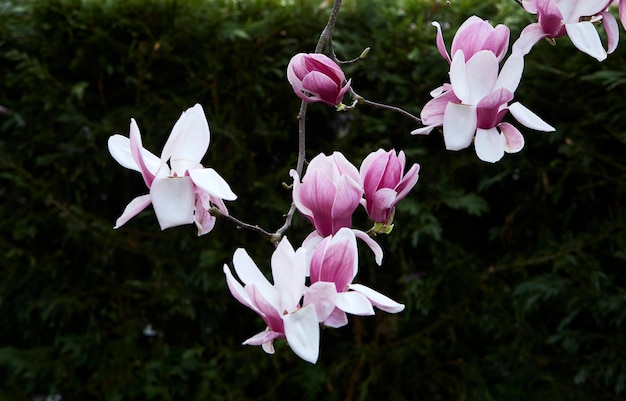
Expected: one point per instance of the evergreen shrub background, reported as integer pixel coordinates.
(512, 274)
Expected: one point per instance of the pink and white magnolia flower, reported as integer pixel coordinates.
(385, 183)
(329, 193)
(474, 35)
(316, 78)
(472, 106)
(334, 265)
(278, 304)
(182, 192)
(574, 18)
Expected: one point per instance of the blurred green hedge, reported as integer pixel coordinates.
(513, 273)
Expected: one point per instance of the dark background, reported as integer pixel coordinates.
(512, 274)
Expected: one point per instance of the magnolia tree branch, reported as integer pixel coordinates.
(325, 38)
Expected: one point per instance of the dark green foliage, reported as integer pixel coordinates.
(513, 274)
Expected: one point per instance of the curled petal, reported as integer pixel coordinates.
(373, 245)
(612, 30)
(441, 46)
(263, 338)
(119, 147)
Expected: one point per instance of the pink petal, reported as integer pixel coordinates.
(323, 295)
(441, 46)
(337, 318)
(250, 274)
(528, 38)
(237, 290)
(513, 139)
(612, 30)
(264, 337)
(137, 151)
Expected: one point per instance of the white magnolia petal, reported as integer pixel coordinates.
(459, 126)
(212, 183)
(511, 72)
(132, 209)
(354, 303)
(289, 273)
(482, 72)
(489, 145)
(528, 38)
(379, 300)
(528, 118)
(585, 37)
(302, 331)
(188, 141)
(458, 76)
(173, 200)
(249, 274)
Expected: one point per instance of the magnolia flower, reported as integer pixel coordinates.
(329, 193)
(317, 78)
(278, 304)
(574, 18)
(385, 183)
(182, 192)
(334, 265)
(474, 104)
(474, 35)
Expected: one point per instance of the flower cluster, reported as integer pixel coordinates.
(314, 285)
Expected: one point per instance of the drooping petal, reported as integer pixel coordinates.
(302, 331)
(212, 183)
(173, 200)
(337, 318)
(377, 299)
(188, 141)
(133, 209)
(489, 145)
(585, 37)
(528, 118)
(373, 245)
(459, 126)
(203, 219)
